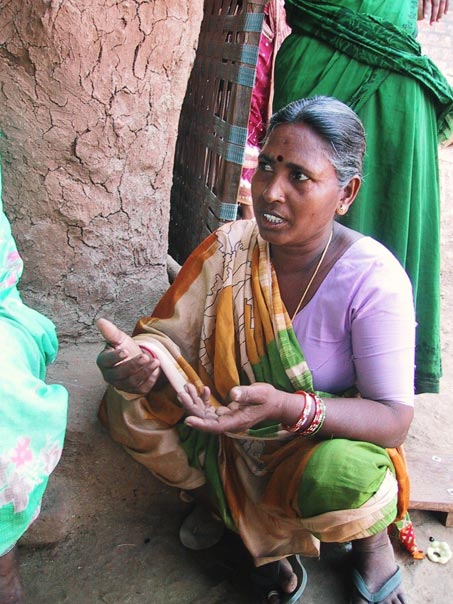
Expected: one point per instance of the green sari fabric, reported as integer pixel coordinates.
(363, 53)
(32, 413)
(342, 474)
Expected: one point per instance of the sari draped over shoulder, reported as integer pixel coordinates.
(224, 324)
(364, 53)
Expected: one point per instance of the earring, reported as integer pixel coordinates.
(342, 210)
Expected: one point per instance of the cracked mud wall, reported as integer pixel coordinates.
(90, 93)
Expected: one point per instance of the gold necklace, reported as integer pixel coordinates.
(315, 272)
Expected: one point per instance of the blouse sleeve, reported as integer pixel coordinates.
(383, 333)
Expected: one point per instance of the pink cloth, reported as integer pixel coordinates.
(353, 327)
(261, 93)
(275, 30)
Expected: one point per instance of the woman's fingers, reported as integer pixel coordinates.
(115, 360)
(190, 394)
(196, 404)
(137, 374)
(123, 363)
(250, 405)
(237, 421)
(143, 382)
(434, 9)
(109, 357)
(204, 425)
(139, 379)
(227, 410)
(233, 418)
(118, 339)
(255, 394)
(443, 9)
(110, 332)
(261, 395)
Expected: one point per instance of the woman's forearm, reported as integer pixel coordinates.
(384, 424)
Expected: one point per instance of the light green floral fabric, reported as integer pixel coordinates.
(32, 413)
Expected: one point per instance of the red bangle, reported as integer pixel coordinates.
(318, 419)
(298, 426)
(146, 349)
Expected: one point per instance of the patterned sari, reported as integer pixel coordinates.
(32, 413)
(224, 324)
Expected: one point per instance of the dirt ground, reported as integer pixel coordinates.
(117, 527)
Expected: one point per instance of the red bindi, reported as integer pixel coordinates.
(279, 157)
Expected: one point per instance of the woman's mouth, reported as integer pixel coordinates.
(272, 218)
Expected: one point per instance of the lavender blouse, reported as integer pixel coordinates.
(359, 327)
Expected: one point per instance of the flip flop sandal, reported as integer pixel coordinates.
(380, 595)
(200, 529)
(265, 585)
(301, 573)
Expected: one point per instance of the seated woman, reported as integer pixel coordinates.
(276, 375)
(32, 414)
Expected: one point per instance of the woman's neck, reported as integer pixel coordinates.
(299, 259)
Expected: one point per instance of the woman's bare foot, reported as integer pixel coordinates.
(374, 559)
(281, 578)
(10, 585)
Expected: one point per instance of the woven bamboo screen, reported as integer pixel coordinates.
(213, 123)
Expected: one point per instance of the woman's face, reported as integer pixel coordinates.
(295, 189)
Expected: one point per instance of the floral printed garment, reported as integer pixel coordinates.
(32, 413)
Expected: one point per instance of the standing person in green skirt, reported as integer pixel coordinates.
(364, 53)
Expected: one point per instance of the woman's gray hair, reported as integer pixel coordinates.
(336, 123)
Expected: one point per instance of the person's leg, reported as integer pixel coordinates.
(283, 581)
(279, 575)
(374, 559)
(273, 579)
(10, 584)
(352, 476)
(202, 528)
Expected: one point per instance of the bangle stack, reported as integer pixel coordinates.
(300, 424)
(318, 419)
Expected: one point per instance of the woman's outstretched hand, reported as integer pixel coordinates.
(123, 363)
(249, 406)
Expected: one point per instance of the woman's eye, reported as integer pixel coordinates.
(299, 176)
(264, 166)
